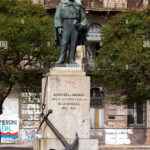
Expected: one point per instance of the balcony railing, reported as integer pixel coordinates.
(51, 3)
(135, 4)
(102, 4)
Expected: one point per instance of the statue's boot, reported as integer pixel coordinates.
(61, 60)
(72, 62)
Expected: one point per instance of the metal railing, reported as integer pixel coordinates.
(52, 3)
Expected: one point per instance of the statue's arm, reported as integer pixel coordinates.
(83, 18)
(57, 19)
(58, 25)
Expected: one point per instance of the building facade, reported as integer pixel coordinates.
(111, 124)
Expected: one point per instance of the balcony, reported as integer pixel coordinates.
(103, 5)
(50, 4)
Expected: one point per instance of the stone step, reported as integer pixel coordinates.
(15, 147)
(124, 147)
(101, 147)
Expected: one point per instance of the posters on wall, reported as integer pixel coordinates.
(9, 121)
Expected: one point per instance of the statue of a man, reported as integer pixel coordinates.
(70, 23)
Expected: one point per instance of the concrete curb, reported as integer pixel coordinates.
(122, 147)
(16, 147)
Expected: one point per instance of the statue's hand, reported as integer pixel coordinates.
(60, 31)
(79, 26)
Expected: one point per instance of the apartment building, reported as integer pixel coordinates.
(111, 124)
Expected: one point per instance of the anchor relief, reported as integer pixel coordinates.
(57, 133)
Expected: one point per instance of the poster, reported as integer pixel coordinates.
(9, 122)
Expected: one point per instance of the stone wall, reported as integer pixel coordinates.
(115, 115)
(117, 131)
(9, 120)
(29, 117)
(124, 147)
(118, 4)
(20, 119)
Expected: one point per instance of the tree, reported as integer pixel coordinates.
(28, 31)
(123, 64)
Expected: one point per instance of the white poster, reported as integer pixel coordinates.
(9, 121)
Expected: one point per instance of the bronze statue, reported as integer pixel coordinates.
(70, 24)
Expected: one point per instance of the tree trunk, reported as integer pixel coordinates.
(3, 94)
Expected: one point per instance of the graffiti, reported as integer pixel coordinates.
(117, 136)
(30, 116)
(115, 4)
(30, 112)
(30, 107)
(4, 44)
(28, 135)
(28, 97)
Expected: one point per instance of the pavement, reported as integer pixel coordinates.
(124, 147)
(15, 147)
(101, 147)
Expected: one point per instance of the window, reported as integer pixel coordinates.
(93, 34)
(94, 38)
(135, 3)
(97, 109)
(97, 97)
(136, 114)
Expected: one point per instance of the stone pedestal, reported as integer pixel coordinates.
(81, 54)
(54, 144)
(68, 95)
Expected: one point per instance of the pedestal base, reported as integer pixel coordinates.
(68, 95)
(54, 144)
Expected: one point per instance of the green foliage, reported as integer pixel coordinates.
(123, 64)
(28, 29)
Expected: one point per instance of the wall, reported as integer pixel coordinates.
(9, 120)
(133, 136)
(116, 130)
(30, 117)
(20, 119)
(115, 115)
(102, 4)
(119, 4)
(27, 135)
(117, 136)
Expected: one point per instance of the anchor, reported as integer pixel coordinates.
(57, 133)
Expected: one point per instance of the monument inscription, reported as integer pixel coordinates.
(69, 101)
